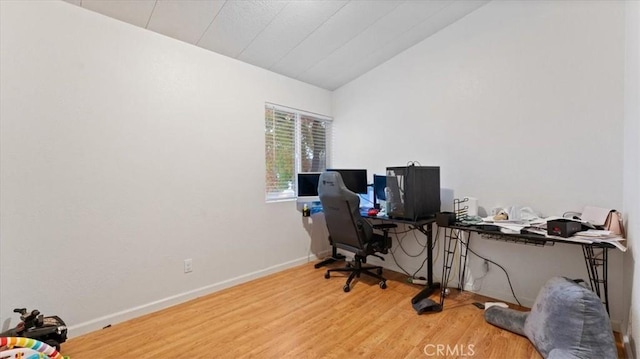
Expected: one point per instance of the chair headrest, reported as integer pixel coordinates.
(330, 183)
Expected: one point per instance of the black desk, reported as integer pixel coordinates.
(597, 263)
(425, 226)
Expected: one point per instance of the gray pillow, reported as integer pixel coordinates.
(569, 321)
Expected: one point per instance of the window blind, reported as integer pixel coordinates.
(295, 141)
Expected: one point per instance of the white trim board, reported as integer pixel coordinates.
(102, 322)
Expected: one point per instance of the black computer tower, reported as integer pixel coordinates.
(413, 192)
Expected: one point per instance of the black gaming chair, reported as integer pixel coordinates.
(349, 231)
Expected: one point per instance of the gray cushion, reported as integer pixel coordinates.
(567, 321)
(505, 318)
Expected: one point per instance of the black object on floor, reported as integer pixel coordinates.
(423, 304)
(426, 305)
(479, 305)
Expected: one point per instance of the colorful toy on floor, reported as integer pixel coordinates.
(26, 348)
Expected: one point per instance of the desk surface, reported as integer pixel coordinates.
(530, 238)
(418, 222)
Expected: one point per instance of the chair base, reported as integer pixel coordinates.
(355, 272)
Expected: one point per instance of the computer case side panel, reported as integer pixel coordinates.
(414, 192)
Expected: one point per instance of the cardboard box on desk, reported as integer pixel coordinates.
(563, 227)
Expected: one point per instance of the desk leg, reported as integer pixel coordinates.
(450, 245)
(597, 262)
(335, 256)
(462, 263)
(431, 287)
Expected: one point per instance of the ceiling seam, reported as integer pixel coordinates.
(306, 37)
(406, 31)
(263, 29)
(211, 23)
(348, 41)
(146, 26)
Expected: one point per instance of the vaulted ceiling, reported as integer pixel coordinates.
(326, 43)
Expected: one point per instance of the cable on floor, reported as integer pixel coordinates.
(501, 267)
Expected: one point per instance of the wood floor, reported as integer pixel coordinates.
(298, 313)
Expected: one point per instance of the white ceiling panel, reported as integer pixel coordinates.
(135, 12)
(402, 19)
(238, 23)
(326, 43)
(296, 21)
(184, 20)
(352, 19)
(453, 12)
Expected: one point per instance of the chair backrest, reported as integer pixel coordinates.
(347, 229)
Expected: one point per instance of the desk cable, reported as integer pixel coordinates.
(399, 240)
(501, 267)
(435, 241)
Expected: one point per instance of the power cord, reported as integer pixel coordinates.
(501, 267)
(427, 258)
(400, 240)
(398, 264)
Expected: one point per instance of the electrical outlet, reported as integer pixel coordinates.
(486, 266)
(188, 265)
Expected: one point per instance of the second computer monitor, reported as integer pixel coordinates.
(355, 180)
(308, 184)
(379, 184)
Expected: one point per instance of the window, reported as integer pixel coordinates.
(295, 141)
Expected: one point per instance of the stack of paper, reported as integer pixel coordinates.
(595, 233)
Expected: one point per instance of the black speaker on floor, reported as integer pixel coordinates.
(413, 192)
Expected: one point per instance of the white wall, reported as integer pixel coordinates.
(631, 270)
(520, 103)
(123, 153)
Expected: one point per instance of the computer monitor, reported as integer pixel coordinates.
(355, 180)
(379, 184)
(308, 184)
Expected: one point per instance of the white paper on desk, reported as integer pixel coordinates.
(595, 215)
(595, 233)
(572, 239)
(614, 242)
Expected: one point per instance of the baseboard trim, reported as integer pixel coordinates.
(628, 346)
(102, 322)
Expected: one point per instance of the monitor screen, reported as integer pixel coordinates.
(308, 184)
(379, 184)
(355, 180)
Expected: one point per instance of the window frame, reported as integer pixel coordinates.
(272, 197)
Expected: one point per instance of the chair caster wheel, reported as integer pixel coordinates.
(383, 285)
(327, 275)
(379, 271)
(346, 288)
